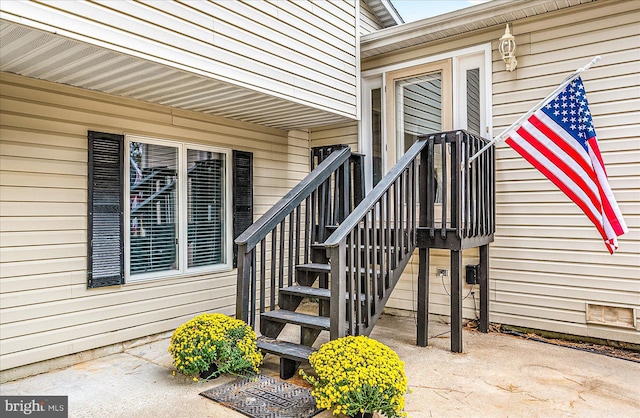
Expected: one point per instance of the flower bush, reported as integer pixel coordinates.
(215, 338)
(358, 374)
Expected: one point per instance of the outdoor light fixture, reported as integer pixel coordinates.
(507, 47)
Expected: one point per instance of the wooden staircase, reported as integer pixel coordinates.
(330, 244)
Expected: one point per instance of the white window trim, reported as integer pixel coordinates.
(461, 64)
(183, 270)
(455, 56)
(365, 134)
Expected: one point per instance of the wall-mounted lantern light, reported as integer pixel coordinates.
(507, 48)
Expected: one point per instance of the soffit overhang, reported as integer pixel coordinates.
(385, 12)
(484, 15)
(48, 56)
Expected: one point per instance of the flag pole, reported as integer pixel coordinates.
(544, 101)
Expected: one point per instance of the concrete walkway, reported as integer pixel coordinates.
(497, 376)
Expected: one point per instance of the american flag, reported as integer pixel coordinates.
(559, 140)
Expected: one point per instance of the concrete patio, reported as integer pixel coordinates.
(498, 375)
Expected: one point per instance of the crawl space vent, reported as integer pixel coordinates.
(611, 315)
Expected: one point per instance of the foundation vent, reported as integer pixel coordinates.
(615, 316)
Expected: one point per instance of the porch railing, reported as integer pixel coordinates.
(461, 195)
(371, 248)
(271, 247)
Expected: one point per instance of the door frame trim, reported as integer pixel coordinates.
(443, 66)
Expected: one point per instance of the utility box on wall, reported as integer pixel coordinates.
(471, 273)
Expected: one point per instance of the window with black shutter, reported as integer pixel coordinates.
(105, 227)
(242, 195)
(162, 208)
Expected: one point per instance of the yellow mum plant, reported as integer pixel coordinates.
(215, 338)
(358, 375)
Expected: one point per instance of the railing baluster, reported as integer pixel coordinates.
(322, 204)
(381, 229)
(263, 282)
(351, 288)
(456, 190)
(445, 189)
(313, 224)
(273, 264)
(290, 253)
(337, 198)
(374, 260)
(347, 192)
(369, 271)
(253, 288)
(281, 255)
(397, 222)
(296, 258)
(389, 244)
(485, 192)
(358, 277)
(308, 226)
(401, 208)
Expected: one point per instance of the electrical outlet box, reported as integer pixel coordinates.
(442, 272)
(472, 274)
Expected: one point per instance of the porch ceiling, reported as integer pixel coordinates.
(492, 13)
(46, 56)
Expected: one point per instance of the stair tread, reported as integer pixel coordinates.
(312, 292)
(326, 268)
(317, 267)
(290, 317)
(306, 291)
(285, 349)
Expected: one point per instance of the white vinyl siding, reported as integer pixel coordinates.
(548, 262)
(46, 309)
(303, 52)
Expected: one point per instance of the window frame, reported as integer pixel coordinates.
(395, 145)
(182, 211)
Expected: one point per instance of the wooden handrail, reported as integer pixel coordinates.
(370, 200)
(277, 213)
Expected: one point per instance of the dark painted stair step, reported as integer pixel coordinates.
(307, 292)
(306, 274)
(311, 292)
(288, 317)
(286, 349)
(314, 267)
(325, 268)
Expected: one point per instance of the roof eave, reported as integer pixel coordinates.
(483, 15)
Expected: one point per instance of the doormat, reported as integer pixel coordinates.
(264, 397)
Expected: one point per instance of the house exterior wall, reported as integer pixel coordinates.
(46, 309)
(344, 133)
(304, 52)
(548, 261)
(368, 21)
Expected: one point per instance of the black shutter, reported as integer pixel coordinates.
(242, 195)
(105, 227)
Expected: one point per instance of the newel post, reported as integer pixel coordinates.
(244, 275)
(338, 311)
